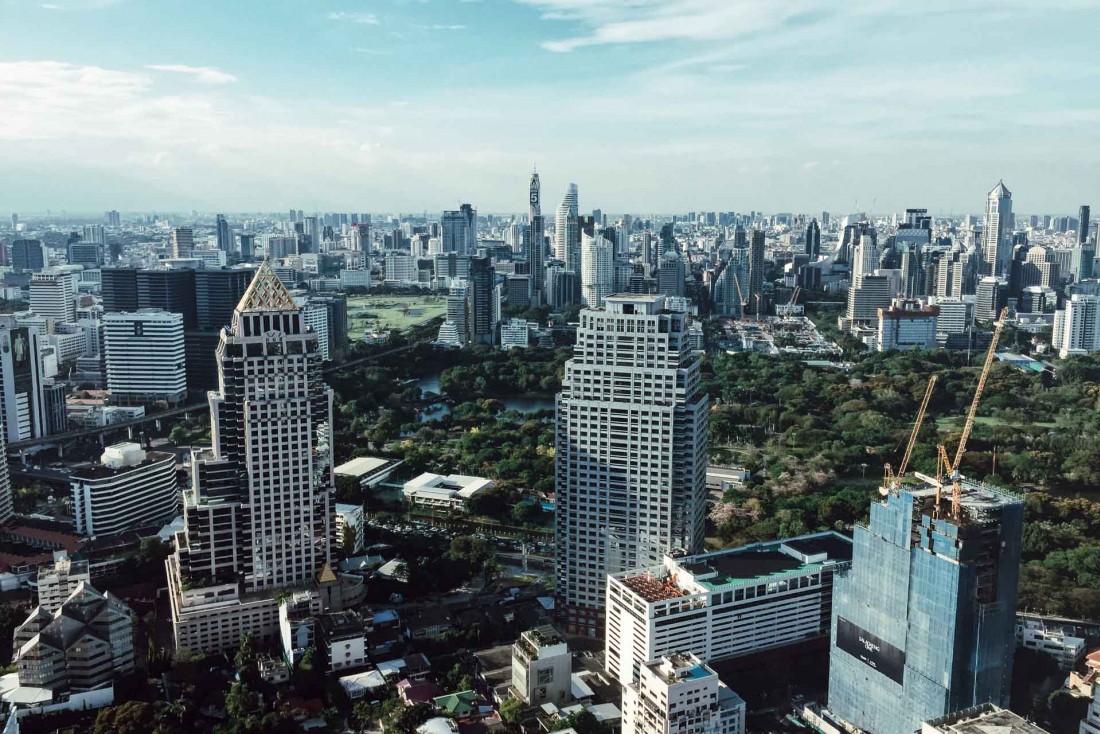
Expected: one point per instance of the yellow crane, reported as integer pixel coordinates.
(737, 282)
(953, 467)
(893, 481)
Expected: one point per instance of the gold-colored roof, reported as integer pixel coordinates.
(266, 293)
(326, 576)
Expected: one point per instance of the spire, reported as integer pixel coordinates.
(266, 292)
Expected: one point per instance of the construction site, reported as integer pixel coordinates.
(775, 335)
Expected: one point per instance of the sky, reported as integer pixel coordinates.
(650, 106)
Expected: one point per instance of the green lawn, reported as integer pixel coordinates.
(953, 423)
(367, 313)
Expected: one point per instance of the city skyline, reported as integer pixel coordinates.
(136, 105)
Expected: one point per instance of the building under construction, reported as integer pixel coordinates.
(923, 620)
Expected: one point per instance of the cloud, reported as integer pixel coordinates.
(202, 74)
(353, 17)
(452, 27)
(371, 51)
(51, 6)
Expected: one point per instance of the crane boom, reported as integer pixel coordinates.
(740, 295)
(978, 392)
(916, 426)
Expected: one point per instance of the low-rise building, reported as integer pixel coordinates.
(541, 667)
(680, 694)
(1052, 639)
(297, 629)
(723, 604)
(367, 684)
(369, 470)
(58, 581)
(1091, 723)
(130, 488)
(273, 670)
(350, 521)
(342, 637)
(983, 719)
(443, 492)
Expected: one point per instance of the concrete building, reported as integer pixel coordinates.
(997, 231)
(1050, 639)
(567, 232)
(342, 640)
(182, 242)
(631, 439)
(458, 231)
(541, 667)
(350, 522)
(989, 298)
(145, 356)
(443, 492)
(57, 582)
(923, 620)
(723, 604)
(515, 333)
(1077, 326)
(680, 694)
(22, 400)
(129, 489)
(597, 273)
(983, 719)
(955, 316)
(52, 295)
(84, 645)
(1091, 723)
(257, 518)
(907, 324)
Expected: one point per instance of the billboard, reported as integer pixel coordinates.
(871, 649)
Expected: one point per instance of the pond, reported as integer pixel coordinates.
(520, 403)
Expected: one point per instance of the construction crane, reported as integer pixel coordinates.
(740, 294)
(894, 481)
(953, 467)
(789, 314)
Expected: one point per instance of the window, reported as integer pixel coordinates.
(546, 676)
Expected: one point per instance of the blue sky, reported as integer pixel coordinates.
(649, 106)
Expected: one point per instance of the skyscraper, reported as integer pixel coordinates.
(481, 325)
(52, 295)
(22, 405)
(183, 242)
(225, 242)
(631, 450)
(458, 230)
(247, 246)
(755, 293)
(997, 232)
(1077, 326)
(27, 255)
(813, 240)
(257, 518)
(534, 246)
(597, 272)
(145, 356)
(567, 234)
(924, 620)
(1083, 217)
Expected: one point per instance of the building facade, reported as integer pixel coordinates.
(680, 694)
(129, 489)
(541, 667)
(1077, 326)
(145, 356)
(997, 231)
(631, 452)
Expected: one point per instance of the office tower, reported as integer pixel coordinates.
(950, 275)
(567, 235)
(731, 283)
(647, 247)
(597, 217)
(997, 231)
(990, 296)
(144, 352)
(247, 246)
(311, 236)
(562, 287)
(534, 244)
(717, 606)
(458, 230)
(517, 290)
(217, 292)
(87, 254)
(481, 324)
(182, 242)
(129, 489)
(53, 295)
(541, 665)
(631, 450)
(21, 386)
(680, 694)
(27, 255)
(118, 287)
(906, 324)
(597, 272)
(1083, 218)
(400, 268)
(95, 234)
(14, 221)
(671, 275)
(224, 240)
(83, 646)
(113, 218)
(336, 306)
(450, 265)
(7, 511)
(1036, 267)
(169, 290)
(314, 317)
(911, 243)
(257, 518)
(1076, 326)
(955, 315)
(813, 240)
(360, 235)
(755, 293)
(453, 330)
(924, 619)
(666, 241)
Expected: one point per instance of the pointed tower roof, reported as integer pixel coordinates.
(1000, 191)
(266, 292)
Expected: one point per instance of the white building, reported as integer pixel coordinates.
(1091, 723)
(258, 518)
(350, 521)
(58, 581)
(129, 489)
(210, 258)
(315, 316)
(631, 450)
(443, 492)
(1052, 639)
(52, 295)
(515, 334)
(342, 639)
(1077, 326)
(679, 694)
(597, 270)
(723, 604)
(401, 269)
(955, 315)
(567, 238)
(987, 718)
(182, 242)
(145, 356)
(355, 278)
(906, 325)
(997, 231)
(22, 403)
(541, 667)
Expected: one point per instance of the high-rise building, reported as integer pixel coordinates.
(680, 694)
(257, 518)
(907, 324)
(567, 233)
(631, 450)
(597, 272)
(21, 387)
(997, 231)
(458, 230)
(813, 240)
(481, 322)
(755, 293)
(989, 298)
(27, 255)
(129, 489)
(113, 218)
(950, 274)
(53, 295)
(311, 236)
(169, 290)
(1077, 326)
(58, 580)
(534, 244)
(182, 242)
(7, 511)
(144, 353)
(924, 620)
(671, 275)
(1084, 216)
(247, 246)
(217, 292)
(224, 240)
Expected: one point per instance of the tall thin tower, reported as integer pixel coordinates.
(257, 518)
(630, 466)
(997, 234)
(567, 233)
(534, 245)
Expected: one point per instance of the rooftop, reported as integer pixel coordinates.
(984, 719)
(361, 466)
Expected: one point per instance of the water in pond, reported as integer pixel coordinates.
(520, 404)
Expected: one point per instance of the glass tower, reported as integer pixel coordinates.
(923, 621)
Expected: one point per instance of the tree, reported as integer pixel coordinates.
(132, 717)
(511, 710)
(407, 718)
